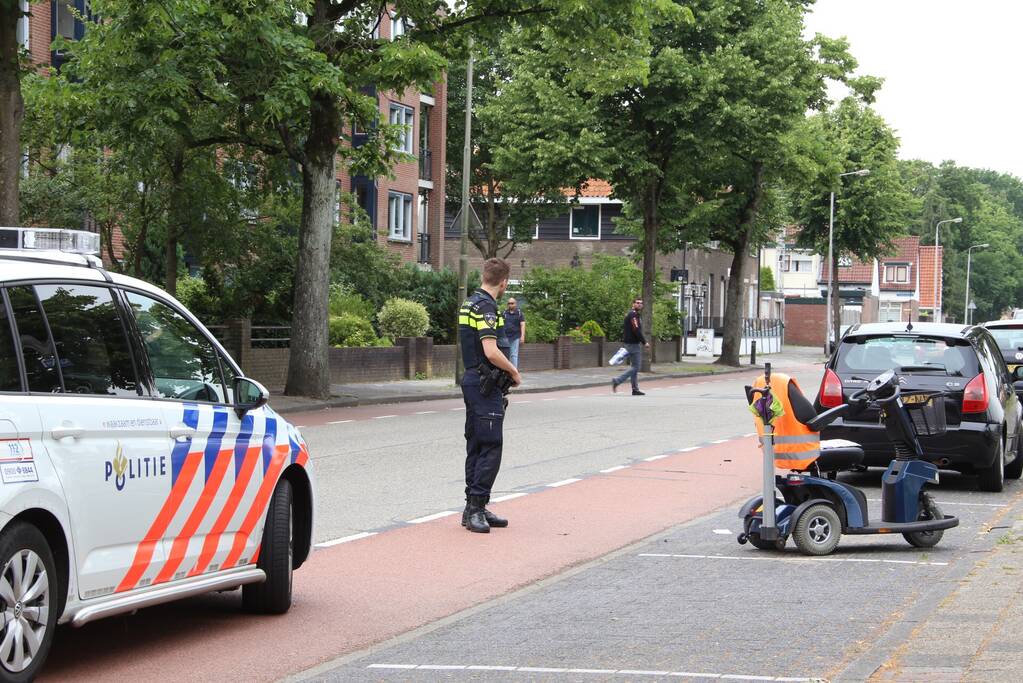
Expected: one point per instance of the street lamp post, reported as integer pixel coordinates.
(831, 269)
(969, 255)
(937, 267)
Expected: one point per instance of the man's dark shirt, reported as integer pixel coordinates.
(633, 330)
(477, 320)
(513, 323)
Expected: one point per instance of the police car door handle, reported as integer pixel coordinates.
(182, 432)
(67, 430)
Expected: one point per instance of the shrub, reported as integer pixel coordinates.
(351, 330)
(667, 320)
(540, 330)
(403, 318)
(578, 336)
(343, 300)
(438, 291)
(194, 294)
(592, 329)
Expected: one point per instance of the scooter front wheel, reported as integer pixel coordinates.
(928, 510)
(818, 530)
(754, 539)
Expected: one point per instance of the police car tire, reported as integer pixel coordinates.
(16, 537)
(273, 596)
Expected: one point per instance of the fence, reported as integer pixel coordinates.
(262, 352)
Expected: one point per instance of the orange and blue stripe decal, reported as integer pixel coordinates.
(184, 465)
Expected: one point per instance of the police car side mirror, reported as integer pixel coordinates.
(249, 395)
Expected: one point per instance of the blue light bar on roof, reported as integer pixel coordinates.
(50, 239)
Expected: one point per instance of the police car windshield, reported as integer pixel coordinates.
(1010, 339)
(907, 354)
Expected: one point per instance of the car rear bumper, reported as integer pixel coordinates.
(968, 445)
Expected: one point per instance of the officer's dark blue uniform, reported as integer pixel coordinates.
(478, 319)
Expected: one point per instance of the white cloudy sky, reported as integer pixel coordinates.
(952, 69)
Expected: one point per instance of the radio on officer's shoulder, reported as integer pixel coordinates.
(494, 378)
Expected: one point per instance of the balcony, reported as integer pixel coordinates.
(425, 164)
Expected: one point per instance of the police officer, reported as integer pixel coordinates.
(478, 332)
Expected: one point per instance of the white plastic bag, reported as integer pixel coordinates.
(619, 357)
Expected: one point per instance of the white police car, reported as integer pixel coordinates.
(137, 464)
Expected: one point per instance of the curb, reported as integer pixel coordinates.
(454, 392)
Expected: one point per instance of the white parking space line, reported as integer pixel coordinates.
(510, 496)
(654, 457)
(550, 399)
(426, 412)
(430, 518)
(383, 417)
(764, 558)
(563, 482)
(339, 422)
(722, 532)
(635, 673)
(346, 539)
(609, 470)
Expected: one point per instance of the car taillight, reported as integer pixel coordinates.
(975, 395)
(831, 390)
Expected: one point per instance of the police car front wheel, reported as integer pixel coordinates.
(27, 591)
(276, 557)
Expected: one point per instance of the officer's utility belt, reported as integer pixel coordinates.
(493, 378)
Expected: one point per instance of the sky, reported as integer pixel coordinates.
(952, 70)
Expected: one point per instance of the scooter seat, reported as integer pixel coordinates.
(838, 454)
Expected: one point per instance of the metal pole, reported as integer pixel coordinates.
(463, 249)
(937, 294)
(768, 524)
(831, 274)
(966, 305)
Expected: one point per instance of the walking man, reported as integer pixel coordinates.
(632, 336)
(478, 330)
(514, 330)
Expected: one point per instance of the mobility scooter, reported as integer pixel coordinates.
(815, 509)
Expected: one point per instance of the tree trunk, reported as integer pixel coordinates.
(731, 344)
(308, 361)
(12, 111)
(651, 227)
(176, 223)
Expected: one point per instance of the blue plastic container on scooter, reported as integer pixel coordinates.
(900, 489)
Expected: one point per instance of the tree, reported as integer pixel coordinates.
(12, 109)
(767, 283)
(870, 210)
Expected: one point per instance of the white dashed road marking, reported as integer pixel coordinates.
(595, 672)
(426, 412)
(338, 422)
(654, 457)
(510, 496)
(720, 440)
(430, 518)
(346, 539)
(609, 470)
(383, 417)
(563, 482)
(722, 532)
(688, 449)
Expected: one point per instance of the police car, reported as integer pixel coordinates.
(137, 464)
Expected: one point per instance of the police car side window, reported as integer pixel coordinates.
(90, 339)
(10, 378)
(34, 338)
(184, 362)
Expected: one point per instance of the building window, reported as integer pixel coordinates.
(784, 263)
(403, 116)
(399, 216)
(337, 202)
(536, 230)
(889, 312)
(22, 29)
(584, 222)
(65, 19)
(397, 26)
(895, 272)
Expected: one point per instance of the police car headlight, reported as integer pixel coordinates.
(50, 239)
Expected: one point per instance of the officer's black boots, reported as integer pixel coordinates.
(492, 519)
(476, 519)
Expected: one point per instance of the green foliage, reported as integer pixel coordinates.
(592, 329)
(403, 318)
(195, 295)
(572, 296)
(578, 336)
(351, 330)
(767, 283)
(438, 292)
(343, 301)
(667, 320)
(541, 331)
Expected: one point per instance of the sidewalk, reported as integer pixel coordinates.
(974, 634)
(348, 395)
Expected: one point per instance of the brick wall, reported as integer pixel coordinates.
(586, 355)
(804, 321)
(368, 365)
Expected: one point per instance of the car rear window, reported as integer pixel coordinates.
(1010, 339)
(907, 353)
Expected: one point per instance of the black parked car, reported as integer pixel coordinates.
(982, 411)
(1008, 335)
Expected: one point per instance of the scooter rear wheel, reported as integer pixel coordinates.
(928, 510)
(818, 530)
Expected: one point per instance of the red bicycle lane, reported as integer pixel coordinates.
(351, 596)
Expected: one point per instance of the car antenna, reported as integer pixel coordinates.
(909, 326)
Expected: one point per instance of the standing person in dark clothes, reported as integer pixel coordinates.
(478, 331)
(514, 330)
(632, 336)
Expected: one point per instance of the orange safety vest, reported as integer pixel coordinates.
(796, 446)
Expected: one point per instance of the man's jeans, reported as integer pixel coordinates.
(635, 360)
(513, 351)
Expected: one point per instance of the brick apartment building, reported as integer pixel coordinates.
(588, 229)
(407, 211)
